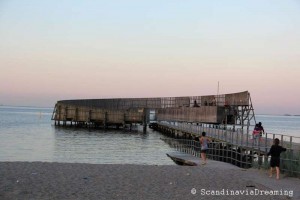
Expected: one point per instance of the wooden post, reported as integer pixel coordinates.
(89, 119)
(105, 120)
(241, 157)
(124, 120)
(59, 115)
(145, 120)
(266, 142)
(291, 156)
(76, 117)
(65, 116)
(247, 139)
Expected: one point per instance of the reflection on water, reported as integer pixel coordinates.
(110, 146)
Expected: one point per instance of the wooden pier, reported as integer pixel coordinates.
(235, 109)
(183, 119)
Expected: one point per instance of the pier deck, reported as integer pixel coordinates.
(214, 109)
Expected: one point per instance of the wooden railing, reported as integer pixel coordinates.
(237, 146)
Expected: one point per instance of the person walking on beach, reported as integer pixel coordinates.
(275, 152)
(204, 147)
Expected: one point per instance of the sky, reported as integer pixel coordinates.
(75, 49)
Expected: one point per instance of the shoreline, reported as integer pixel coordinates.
(43, 180)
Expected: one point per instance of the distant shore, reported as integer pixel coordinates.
(37, 180)
(291, 115)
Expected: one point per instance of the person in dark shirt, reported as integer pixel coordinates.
(275, 152)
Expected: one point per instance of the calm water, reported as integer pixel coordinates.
(286, 125)
(28, 134)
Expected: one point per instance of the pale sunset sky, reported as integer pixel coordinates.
(81, 49)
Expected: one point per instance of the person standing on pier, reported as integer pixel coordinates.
(275, 152)
(261, 129)
(195, 104)
(204, 146)
(257, 133)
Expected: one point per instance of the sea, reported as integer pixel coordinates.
(28, 134)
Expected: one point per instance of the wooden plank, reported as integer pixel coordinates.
(183, 159)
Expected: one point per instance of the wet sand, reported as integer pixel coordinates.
(38, 180)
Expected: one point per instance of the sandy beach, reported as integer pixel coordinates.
(38, 180)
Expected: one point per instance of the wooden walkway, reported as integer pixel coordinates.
(237, 138)
(235, 147)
